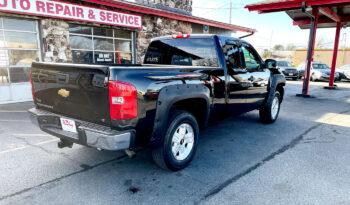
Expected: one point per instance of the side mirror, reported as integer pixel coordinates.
(270, 63)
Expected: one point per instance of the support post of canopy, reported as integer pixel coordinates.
(310, 52)
(335, 54)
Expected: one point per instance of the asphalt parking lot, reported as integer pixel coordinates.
(301, 159)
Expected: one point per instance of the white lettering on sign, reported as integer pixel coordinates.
(70, 11)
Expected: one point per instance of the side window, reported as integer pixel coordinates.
(232, 57)
(251, 60)
(191, 52)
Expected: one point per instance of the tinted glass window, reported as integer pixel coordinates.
(21, 40)
(320, 66)
(81, 42)
(103, 44)
(18, 49)
(289, 64)
(192, 52)
(281, 63)
(122, 34)
(122, 45)
(78, 29)
(251, 59)
(100, 45)
(232, 56)
(22, 57)
(19, 24)
(19, 75)
(4, 78)
(103, 32)
(123, 58)
(82, 56)
(284, 64)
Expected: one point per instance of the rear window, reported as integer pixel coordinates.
(281, 63)
(191, 52)
(284, 63)
(320, 66)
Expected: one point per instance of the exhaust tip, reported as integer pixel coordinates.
(130, 153)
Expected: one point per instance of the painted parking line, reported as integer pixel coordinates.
(32, 135)
(26, 146)
(13, 111)
(14, 120)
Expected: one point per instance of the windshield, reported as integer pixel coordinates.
(188, 51)
(284, 64)
(320, 66)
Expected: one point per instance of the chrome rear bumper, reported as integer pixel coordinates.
(88, 134)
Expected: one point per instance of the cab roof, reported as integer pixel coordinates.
(221, 37)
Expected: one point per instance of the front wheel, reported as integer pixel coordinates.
(270, 111)
(180, 142)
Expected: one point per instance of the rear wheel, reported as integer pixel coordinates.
(180, 142)
(270, 111)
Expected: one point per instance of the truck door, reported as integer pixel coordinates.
(238, 82)
(257, 76)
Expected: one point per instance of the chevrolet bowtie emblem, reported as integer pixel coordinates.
(63, 92)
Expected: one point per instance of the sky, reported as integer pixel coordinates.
(273, 28)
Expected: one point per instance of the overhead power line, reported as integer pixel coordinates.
(218, 8)
(214, 9)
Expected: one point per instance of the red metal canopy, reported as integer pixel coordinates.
(331, 11)
(311, 14)
(169, 14)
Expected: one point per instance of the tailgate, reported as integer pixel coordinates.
(73, 90)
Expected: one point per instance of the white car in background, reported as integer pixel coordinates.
(344, 72)
(319, 71)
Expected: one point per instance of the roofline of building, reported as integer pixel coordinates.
(169, 14)
(265, 7)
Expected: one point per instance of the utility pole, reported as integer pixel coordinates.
(230, 12)
(345, 35)
(271, 40)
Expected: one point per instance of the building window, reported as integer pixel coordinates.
(19, 47)
(100, 45)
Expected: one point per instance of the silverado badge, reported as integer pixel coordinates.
(63, 92)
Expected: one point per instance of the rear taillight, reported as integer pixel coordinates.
(32, 85)
(122, 100)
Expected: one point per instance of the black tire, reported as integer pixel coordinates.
(266, 114)
(163, 155)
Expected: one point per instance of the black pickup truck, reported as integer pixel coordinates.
(185, 82)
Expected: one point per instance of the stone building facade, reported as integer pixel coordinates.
(185, 5)
(154, 26)
(55, 36)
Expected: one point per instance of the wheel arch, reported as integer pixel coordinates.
(192, 98)
(277, 83)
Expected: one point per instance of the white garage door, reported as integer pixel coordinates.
(19, 46)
